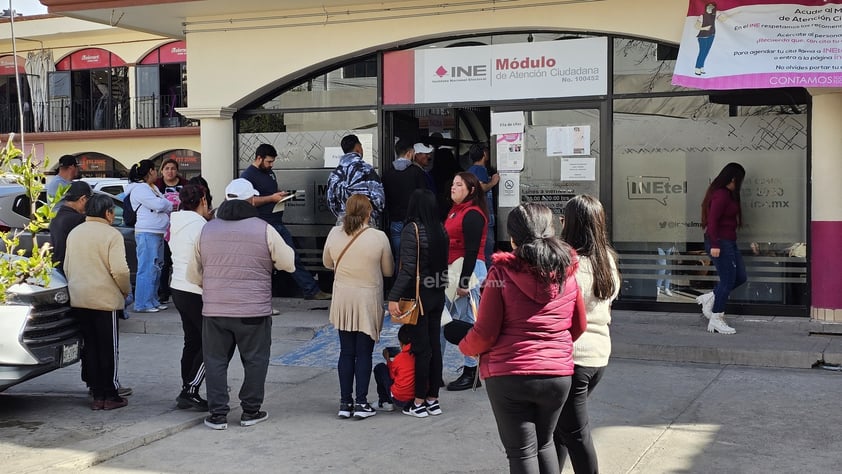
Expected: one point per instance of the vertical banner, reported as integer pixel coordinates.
(758, 44)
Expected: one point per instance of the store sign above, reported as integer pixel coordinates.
(568, 68)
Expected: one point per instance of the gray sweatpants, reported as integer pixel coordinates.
(253, 338)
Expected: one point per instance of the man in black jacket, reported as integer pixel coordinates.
(70, 214)
(404, 177)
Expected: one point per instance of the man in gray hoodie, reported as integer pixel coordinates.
(404, 177)
(232, 262)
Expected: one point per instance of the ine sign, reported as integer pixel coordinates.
(568, 68)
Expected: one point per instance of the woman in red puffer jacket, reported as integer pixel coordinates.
(530, 313)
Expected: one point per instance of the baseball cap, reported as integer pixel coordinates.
(67, 160)
(422, 148)
(77, 190)
(240, 189)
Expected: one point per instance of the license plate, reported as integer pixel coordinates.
(69, 354)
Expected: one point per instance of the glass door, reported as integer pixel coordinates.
(556, 157)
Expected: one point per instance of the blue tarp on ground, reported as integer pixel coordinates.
(323, 350)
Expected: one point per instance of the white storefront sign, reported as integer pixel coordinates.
(569, 68)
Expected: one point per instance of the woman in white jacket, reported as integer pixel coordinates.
(153, 219)
(185, 229)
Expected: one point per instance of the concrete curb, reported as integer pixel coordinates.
(88, 453)
(795, 359)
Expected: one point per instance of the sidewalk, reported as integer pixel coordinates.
(649, 416)
(761, 341)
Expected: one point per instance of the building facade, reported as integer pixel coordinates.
(104, 94)
(300, 78)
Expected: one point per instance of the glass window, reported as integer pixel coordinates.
(303, 139)
(332, 89)
(643, 66)
(665, 154)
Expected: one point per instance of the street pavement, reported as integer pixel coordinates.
(674, 399)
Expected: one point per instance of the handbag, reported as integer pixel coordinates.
(411, 308)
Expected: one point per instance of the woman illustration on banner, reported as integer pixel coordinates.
(721, 216)
(706, 24)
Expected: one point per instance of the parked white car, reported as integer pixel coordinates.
(112, 186)
(37, 332)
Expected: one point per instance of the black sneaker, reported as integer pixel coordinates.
(417, 411)
(253, 418)
(433, 407)
(191, 400)
(217, 422)
(346, 410)
(364, 410)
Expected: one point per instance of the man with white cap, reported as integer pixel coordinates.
(423, 156)
(233, 262)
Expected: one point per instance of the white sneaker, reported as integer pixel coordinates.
(706, 302)
(668, 292)
(717, 324)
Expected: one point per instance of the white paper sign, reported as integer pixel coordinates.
(578, 169)
(510, 152)
(367, 141)
(569, 141)
(509, 194)
(506, 122)
(332, 156)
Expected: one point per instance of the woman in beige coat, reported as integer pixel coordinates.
(360, 257)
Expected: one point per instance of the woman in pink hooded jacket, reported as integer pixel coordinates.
(530, 313)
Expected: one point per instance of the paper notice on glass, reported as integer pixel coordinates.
(578, 169)
(332, 156)
(506, 122)
(510, 152)
(569, 141)
(509, 194)
(367, 141)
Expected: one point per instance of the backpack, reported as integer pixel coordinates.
(129, 211)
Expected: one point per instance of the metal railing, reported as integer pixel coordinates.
(159, 112)
(63, 114)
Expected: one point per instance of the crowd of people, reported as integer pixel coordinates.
(532, 323)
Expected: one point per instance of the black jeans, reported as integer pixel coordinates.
(355, 350)
(189, 307)
(384, 386)
(526, 408)
(573, 432)
(164, 290)
(426, 345)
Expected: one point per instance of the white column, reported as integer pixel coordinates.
(132, 97)
(826, 225)
(217, 137)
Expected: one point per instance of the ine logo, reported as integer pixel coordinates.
(656, 188)
(463, 71)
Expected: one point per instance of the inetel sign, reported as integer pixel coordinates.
(503, 72)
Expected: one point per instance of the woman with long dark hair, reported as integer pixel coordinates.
(721, 216)
(584, 229)
(185, 229)
(530, 314)
(428, 252)
(153, 220)
(467, 226)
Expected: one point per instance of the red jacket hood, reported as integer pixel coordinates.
(526, 281)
